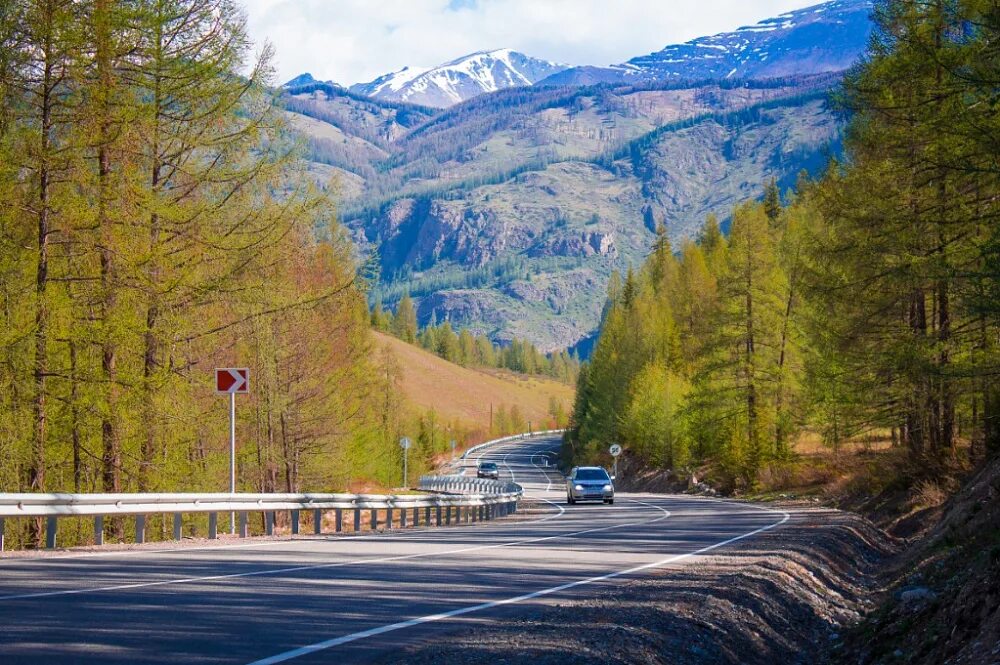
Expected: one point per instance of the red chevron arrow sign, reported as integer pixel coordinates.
(232, 380)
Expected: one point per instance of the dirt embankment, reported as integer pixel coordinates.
(942, 599)
(784, 596)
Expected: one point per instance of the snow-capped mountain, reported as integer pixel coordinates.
(460, 79)
(822, 38)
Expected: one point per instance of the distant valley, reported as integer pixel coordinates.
(507, 212)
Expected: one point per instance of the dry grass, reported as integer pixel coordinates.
(464, 394)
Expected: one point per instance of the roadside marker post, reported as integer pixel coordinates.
(405, 444)
(230, 381)
(453, 445)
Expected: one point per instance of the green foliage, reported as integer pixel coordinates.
(866, 303)
(156, 225)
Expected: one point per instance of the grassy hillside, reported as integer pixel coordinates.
(463, 395)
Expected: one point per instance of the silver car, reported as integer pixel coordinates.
(589, 483)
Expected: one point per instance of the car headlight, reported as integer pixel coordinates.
(578, 488)
(608, 488)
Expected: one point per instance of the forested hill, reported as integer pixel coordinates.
(507, 213)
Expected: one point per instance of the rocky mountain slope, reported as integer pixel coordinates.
(460, 79)
(508, 212)
(822, 38)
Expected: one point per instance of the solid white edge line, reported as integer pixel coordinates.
(371, 632)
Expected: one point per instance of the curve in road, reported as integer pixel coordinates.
(351, 599)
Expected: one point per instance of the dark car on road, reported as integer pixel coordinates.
(589, 483)
(488, 470)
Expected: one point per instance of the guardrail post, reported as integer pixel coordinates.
(269, 522)
(416, 517)
(357, 520)
(1, 535)
(447, 515)
(140, 529)
(99, 530)
(374, 520)
(178, 523)
(50, 532)
(468, 514)
(295, 522)
(318, 521)
(388, 518)
(243, 524)
(427, 515)
(338, 520)
(213, 526)
(402, 517)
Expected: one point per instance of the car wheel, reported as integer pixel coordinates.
(570, 500)
(609, 501)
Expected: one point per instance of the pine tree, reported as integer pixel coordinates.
(404, 323)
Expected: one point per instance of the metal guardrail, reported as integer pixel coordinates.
(465, 485)
(508, 439)
(473, 502)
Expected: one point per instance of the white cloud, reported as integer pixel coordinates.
(356, 40)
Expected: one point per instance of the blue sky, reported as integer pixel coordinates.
(356, 40)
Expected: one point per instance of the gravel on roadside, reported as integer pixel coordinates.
(780, 597)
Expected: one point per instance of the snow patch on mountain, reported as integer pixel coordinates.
(460, 79)
(822, 38)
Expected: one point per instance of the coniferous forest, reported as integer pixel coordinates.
(154, 226)
(863, 303)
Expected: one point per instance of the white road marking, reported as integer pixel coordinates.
(543, 472)
(379, 630)
(338, 564)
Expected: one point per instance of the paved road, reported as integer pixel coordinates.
(349, 599)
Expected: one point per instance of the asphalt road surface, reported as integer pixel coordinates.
(343, 599)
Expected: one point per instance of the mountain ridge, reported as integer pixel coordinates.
(507, 213)
(459, 79)
(821, 38)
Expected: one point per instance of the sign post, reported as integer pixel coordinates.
(229, 381)
(405, 444)
(615, 451)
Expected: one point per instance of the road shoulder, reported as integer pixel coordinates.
(781, 596)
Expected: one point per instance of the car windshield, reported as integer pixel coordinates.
(487, 466)
(592, 474)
